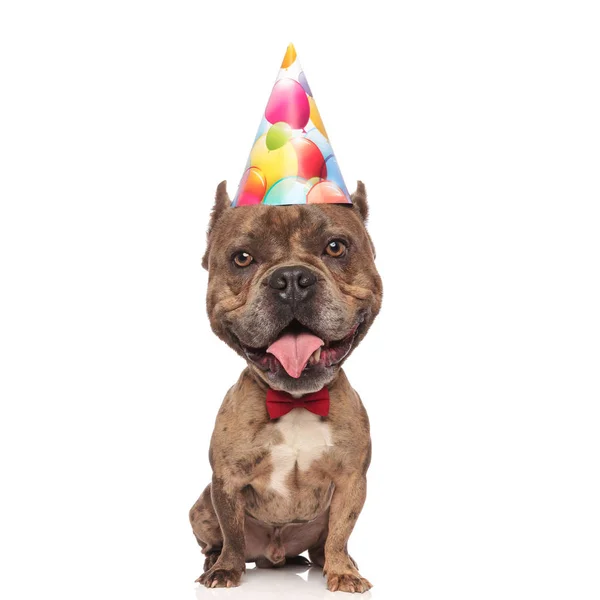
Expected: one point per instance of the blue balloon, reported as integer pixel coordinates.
(331, 171)
(289, 190)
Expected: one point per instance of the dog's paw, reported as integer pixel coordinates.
(347, 582)
(217, 577)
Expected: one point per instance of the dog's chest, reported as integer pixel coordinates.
(305, 439)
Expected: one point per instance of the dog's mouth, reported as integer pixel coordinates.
(298, 350)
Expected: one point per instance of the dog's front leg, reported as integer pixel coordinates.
(346, 504)
(229, 506)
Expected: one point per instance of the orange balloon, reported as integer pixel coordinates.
(315, 117)
(290, 56)
(252, 187)
(326, 192)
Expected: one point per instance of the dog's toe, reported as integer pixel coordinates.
(347, 583)
(220, 578)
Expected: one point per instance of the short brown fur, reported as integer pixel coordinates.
(239, 517)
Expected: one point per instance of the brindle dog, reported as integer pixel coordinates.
(297, 483)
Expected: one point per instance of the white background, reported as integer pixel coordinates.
(476, 128)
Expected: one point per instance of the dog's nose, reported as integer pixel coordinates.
(293, 283)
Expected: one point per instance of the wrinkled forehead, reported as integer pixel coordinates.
(297, 226)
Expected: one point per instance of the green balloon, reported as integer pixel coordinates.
(278, 135)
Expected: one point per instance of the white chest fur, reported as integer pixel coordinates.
(305, 438)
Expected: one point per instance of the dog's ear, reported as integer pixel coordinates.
(360, 204)
(359, 200)
(222, 203)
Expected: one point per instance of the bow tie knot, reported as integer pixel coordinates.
(281, 403)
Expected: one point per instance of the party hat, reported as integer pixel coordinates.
(291, 161)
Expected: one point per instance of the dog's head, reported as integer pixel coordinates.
(292, 289)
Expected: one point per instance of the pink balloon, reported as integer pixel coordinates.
(288, 103)
(326, 192)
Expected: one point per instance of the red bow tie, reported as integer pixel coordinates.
(281, 403)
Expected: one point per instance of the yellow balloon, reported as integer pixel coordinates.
(290, 56)
(274, 164)
(315, 117)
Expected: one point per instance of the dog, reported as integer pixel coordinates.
(293, 290)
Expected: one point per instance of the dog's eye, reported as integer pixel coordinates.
(336, 248)
(243, 259)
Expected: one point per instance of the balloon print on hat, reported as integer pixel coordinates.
(274, 164)
(290, 56)
(278, 135)
(289, 103)
(290, 190)
(252, 187)
(304, 83)
(315, 117)
(322, 143)
(291, 161)
(312, 181)
(310, 159)
(326, 192)
(331, 171)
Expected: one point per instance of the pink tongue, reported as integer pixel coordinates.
(293, 351)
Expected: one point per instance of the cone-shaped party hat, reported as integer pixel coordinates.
(291, 161)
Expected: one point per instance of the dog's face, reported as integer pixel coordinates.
(292, 289)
